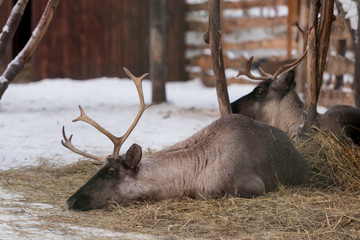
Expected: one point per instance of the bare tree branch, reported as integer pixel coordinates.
(327, 14)
(19, 61)
(217, 57)
(11, 25)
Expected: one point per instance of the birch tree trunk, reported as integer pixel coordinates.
(17, 64)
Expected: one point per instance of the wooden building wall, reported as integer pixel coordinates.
(92, 38)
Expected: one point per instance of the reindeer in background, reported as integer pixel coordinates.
(274, 100)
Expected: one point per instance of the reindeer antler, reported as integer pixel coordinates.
(283, 69)
(246, 71)
(117, 141)
(67, 143)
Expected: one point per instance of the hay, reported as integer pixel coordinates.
(334, 162)
(327, 209)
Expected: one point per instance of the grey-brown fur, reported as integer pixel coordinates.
(234, 155)
(277, 103)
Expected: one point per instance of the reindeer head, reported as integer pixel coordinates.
(274, 99)
(101, 188)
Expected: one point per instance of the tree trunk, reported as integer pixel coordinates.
(217, 57)
(340, 51)
(357, 61)
(17, 64)
(311, 98)
(318, 45)
(11, 25)
(158, 61)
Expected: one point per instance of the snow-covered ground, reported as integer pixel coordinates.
(32, 116)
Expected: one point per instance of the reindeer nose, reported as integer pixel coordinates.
(70, 203)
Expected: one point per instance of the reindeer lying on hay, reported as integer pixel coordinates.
(274, 101)
(234, 155)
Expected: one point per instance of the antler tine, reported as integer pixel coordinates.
(247, 72)
(142, 108)
(83, 117)
(268, 75)
(305, 34)
(117, 141)
(67, 143)
(288, 67)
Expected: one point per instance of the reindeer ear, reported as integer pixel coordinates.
(285, 82)
(133, 156)
(290, 76)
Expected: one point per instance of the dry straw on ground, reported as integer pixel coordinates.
(333, 162)
(327, 209)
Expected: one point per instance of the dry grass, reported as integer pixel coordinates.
(333, 162)
(327, 209)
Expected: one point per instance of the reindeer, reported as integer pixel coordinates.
(274, 101)
(234, 156)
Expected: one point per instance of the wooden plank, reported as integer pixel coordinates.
(250, 4)
(196, 26)
(209, 80)
(238, 5)
(273, 43)
(232, 24)
(204, 62)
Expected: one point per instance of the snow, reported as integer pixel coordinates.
(3, 79)
(350, 8)
(5, 28)
(32, 116)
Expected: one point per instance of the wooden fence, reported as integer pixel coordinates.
(265, 30)
(257, 28)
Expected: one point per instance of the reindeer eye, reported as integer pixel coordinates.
(111, 171)
(260, 91)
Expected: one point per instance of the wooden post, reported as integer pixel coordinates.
(157, 51)
(217, 57)
(340, 50)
